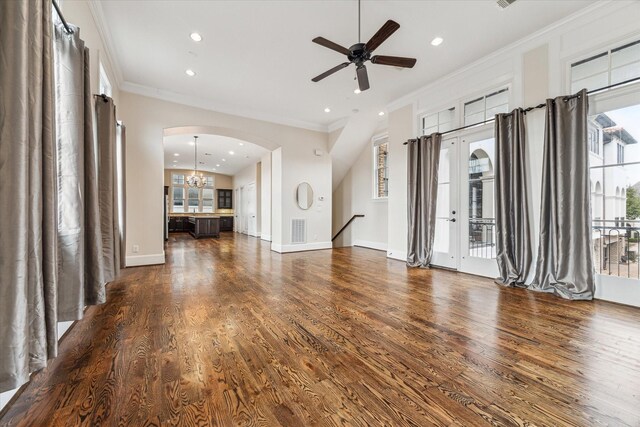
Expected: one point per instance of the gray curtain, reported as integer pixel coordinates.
(513, 229)
(122, 191)
(565, 263)
(422, 177)
(28, 253)
(79, 238)
(108, 185)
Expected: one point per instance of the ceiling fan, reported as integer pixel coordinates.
(360, 53)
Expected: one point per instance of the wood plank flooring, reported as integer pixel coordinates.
(229, 333)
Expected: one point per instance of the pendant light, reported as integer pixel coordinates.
(195, 180)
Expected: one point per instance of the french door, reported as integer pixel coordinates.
(465, 210)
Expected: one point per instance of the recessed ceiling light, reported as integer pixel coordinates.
(437, 41)
(381, 113)
(175, 161)
(190, 72)
(241, 143)
(231, 152)
(224, 160)
(356, 90)
(192, 143)
(327, 110)
(176, 154)
(213, 169)
(196, 37)
(217, 166)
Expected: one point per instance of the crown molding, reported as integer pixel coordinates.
(412, 96)
(193, 101)
(103, 29)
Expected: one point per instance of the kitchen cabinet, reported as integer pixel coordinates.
(225, 199)
(226, 223)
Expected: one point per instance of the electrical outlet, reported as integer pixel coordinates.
(136, 249)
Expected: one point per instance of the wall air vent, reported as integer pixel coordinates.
(298, 231)
(504, 3)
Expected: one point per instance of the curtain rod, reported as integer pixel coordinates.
(526, 110)
(64, 22)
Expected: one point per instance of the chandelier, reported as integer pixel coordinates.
(195, 180)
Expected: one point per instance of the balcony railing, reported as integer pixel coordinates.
(482, 237)
(616, 244)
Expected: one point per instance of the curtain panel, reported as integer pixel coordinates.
(565, 262)
(514, 242)
(28, 205)
(108, 185)
(422, 192)
(79, 236)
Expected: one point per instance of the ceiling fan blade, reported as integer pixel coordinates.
(331, 45)
(329, 72)
(363, 78)
(396, 61)
(383, 33)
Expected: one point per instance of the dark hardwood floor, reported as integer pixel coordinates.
(229, 333)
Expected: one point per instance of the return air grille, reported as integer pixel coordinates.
(298, 231)
(504, 3)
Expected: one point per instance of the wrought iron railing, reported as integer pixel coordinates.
(616, 244)
(482, 237)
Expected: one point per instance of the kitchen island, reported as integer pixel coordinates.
(204, 226)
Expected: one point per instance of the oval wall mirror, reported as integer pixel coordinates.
(304, 195)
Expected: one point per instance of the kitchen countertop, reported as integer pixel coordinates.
(201, 214)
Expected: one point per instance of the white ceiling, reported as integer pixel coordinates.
(213, 150)
(257, 59)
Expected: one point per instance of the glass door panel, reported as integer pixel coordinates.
(445, 241)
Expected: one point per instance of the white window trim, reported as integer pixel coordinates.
(375, 141)
(104, 79)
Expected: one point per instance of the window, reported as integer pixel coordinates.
(207, 199)
(620, 153)
(594, 140)
(380, 168)
(615, 193)
(193, 199)
(105, 84)
(484, 108)
(178, 199)
(438, 122)
(177, 179)
(607, 68)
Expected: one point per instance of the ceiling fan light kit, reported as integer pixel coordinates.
(360, 53)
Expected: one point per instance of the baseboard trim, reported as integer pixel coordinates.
(138, 260)
(266, 237)
(371, 245)
(399, 255)
(300, 248)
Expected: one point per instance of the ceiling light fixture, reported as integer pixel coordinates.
(231, 152)
(176, 154)
(437, 41)
(381, 113)
(241, 143)
(224, 160)
(190, 72)
(357, 90)
(195, 180)
(196, 37)
(218, 166)
(327, 110)
(191, 143)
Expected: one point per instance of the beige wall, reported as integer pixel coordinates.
(146, 120)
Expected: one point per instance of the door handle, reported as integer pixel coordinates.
(452, 220)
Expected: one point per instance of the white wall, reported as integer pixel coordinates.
(146, 118)
(265, 199)
(276, 199)
(300, 164)
(354, 196)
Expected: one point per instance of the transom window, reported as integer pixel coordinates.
(381, 168)
(613, 66)
(485, 107)
(441, 121)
